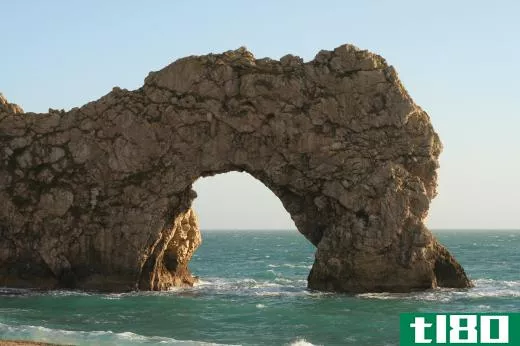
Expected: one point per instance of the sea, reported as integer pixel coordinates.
(253, 291)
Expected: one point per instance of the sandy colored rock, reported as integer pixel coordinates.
(99, 197)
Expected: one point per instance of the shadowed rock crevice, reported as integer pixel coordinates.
(99, 197)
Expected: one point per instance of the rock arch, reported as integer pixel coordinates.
(99, 197)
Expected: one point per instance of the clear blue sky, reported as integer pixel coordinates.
(458, 59)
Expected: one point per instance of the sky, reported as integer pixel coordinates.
(459, 60)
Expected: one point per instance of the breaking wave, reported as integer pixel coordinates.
(61, 336)
(279, 286)
(289, 265)
(301, 342)
(484, 288)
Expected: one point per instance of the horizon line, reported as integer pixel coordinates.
(295, 229)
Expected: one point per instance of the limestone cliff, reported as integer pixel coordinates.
(99, 197)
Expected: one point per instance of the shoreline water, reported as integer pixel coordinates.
(253, 291)
(26, 343)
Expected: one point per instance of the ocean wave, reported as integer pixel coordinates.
(510, 283)
(484, 288)
(246, 283)
(226, 286)
(495, 288)
(113, 296)
(290, 265)
(284, 286)
(250, 287)
(301, 342)
(278, 286)
(13, 292)
(61, 336)
(287, 286)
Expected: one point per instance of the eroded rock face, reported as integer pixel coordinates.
(99, 197)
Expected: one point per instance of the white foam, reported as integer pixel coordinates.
(290, 265)
(201, 283)
(303, 266)
(98, 337)
(109, 297)
(279, 286)
(268, 294)
(484, 288)
(301, 342)
(113, 296)
(481, 282)
(6, 291)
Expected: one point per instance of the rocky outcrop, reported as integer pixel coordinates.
(99, 197)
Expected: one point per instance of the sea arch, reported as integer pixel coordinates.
(99, 197)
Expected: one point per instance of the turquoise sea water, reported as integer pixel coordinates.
(253, 292)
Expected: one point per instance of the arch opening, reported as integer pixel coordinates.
(237, 201)
(249, 241)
